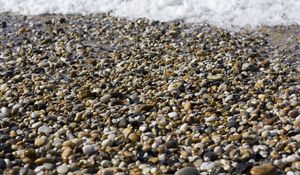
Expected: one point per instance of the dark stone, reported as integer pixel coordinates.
(211, 156)
(243, 168)
(233, 124)
(123, 123)
(3, 24)
(2, 164)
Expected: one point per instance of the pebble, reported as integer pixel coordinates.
(2, 164)
(267, 169)
(4, 112)
(187, 171)
(107, 142)
(62, 169)
(45, 129)
(184, 127)
(40, 141)
(293, 113)
(88, 149)
(297, 138)
(105, 98)
(173, 115)
(215, 77)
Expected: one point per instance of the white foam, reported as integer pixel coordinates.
(224, 13)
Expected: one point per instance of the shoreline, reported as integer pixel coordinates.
(99, 94)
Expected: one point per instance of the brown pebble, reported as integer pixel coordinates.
(66, 154)
(267, 169)
(147, 107)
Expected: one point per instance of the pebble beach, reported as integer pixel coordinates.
(97, 94)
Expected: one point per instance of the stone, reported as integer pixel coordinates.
(2, 164)
(62, 169)
(187, 106)
(243, 168)
(48, 166)
(4, 112)
(175, 86)
(187, 171)
(45, 129)
(173, 114)
(215, 77)
(107, 142)
(133, 137)
(267, 169)
(105, 98)
(184, 127)
(297, 122)
(67, 152)
(42, 160)
(40, 141)
(297, 138)
(89, 149)
(146, 107)
(293, 113)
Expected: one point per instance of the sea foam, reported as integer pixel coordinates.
(224, 13)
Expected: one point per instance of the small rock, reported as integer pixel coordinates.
(107, 142)
(133, 137)
(42, 160)
(85, 94)
(228, 98)
(297, 138)
(173, 114)
(187, 106)
(293, 113)
(45, 129)
(215, 77)
(297, 122)
(89, 149)
(175, 86)
(67, 152)
(267, 169)
(243, 168)
(2, 164)
(4, 112)
(105, 99)
(62, 169)
(184, 127)
(40, 141)
(146, 107)
(48, 166)
(187, 171)
(126, 132)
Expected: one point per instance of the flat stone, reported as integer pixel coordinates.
(175, 86)
(146, 107)
(297, 138)
(215, 77)
(107, 142)
(105, 98)
(173, 114)
(184, 127)
(187, 171)
(40, 141)
(62, 169)
(89, 149)
(267, 169)
(45, 129)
